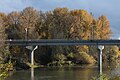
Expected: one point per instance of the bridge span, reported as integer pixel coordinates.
(61, 42)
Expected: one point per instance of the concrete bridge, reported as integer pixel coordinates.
(61, 42)
(98, 43)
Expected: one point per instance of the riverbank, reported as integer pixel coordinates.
(7, 70)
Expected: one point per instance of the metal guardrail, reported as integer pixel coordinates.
(61, 42)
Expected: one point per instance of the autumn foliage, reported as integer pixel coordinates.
(60, 23)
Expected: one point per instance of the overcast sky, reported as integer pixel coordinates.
(109, 8)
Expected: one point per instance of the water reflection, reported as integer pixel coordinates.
(32, 73)
(83, 72)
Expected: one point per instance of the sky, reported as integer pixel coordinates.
(109, 8)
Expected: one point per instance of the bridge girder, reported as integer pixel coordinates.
(61, 42)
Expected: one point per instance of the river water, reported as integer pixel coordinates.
(83, 72)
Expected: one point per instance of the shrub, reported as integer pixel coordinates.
(58, 60)
(101, 77)
(4, 70)
(112, 53)
(83, 57)
(59, 57)
(70, 56)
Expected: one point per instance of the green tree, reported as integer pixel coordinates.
(60, 21)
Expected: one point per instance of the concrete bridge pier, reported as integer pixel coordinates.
(32, 56)
(100, 48)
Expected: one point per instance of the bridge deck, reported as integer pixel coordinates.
(62, 42)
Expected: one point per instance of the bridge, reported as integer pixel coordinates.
(61, 42)
(42, 42)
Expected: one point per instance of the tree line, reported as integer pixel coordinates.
(60, 23)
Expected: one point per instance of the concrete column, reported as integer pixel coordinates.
(100, 61)
(100, 48)
(32, 56)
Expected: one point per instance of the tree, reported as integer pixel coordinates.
(13, 29)
(112, 53)
(4, 50)
(81, 24)
(61, 21)
(44, 24)
(2, 27)
(103, 27)
(28, 19)
(101, 31)
(60, 28)
(80, 29)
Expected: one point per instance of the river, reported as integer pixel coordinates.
(83, 72)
